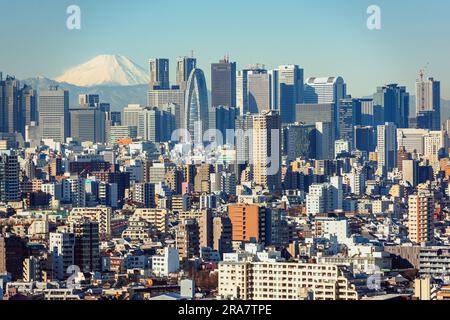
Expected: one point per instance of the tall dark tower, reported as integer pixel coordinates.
(223, 83)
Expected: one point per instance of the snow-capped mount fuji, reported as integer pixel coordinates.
(105, 70)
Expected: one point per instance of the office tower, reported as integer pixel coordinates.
(248, 222)
(87, 124)
(387, 147)
(428, 101)
(259, 86)
(222, 119)
(435, 147)
(311, 113)
(242, 91)
(410, 170)
(61, 249)
(299, 141)
(89, 100)
(185, 65)
(13, 251)
(244, 139)
(324, 90)
(87, 245)
(131, 115)
(188, 239)
(289, 91)
(159, 73)
(367, 112)
(222, 235)
(175, 110)
(223, 83)
(155, 125)
(267, 150)
(349, 115)
(412, 139)
(28, 107)
(116, 118)
(420, 217)
(54, 117)
(118, 133)
(9, 177)
(391, 104)
(196, 106)
(17, 106)
(163, 99)
(324, 141)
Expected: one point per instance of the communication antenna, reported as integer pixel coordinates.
(192, 53)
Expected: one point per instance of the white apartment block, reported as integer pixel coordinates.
(284, 281)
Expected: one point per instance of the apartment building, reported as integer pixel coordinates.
(285, 281)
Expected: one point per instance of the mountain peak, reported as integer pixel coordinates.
(105, 69)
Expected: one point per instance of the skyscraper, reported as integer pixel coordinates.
(242, 91)
(87, 124)
(159, 73)
(289, 91)
(387, 147)
(324, 90)
(223, 83)
(222, 119)
(324, 141)
(185, 65)
(196, 106)
(312, 113)
(9, 177)
(259, 86)
(267, 150)
(428, 99)
(391, 104)
(349, 115)
(300, 141)
(54, 118)
(155, 125)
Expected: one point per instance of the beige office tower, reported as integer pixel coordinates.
(420, 217)
(267, 150)
(428, 100)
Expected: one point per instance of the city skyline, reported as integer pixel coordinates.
(377, 53)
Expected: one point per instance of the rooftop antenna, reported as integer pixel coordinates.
(192, 53)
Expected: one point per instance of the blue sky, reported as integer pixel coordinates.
(325, 37)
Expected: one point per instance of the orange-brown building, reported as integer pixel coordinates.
(248, 222)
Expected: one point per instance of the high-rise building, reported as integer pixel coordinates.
(223, 83)
(9, 177)
(324, 90)
(320, 199)
(324, 141)
(259, 87)
(13, 251)
(242, 91)
(87, 124)
(299, 141)
(349, 115)
(185, 65)
(267, 150)
(89, 100)
(87, 245)
(387, 147)
(420, 217)
(222, 119)
(131, 115)
(310, 114)
(54, 117)
(196, 106)
(159, 73)
(391, 104)
(155, 125)
(428, 100)
(248, 222)
(289, 89)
